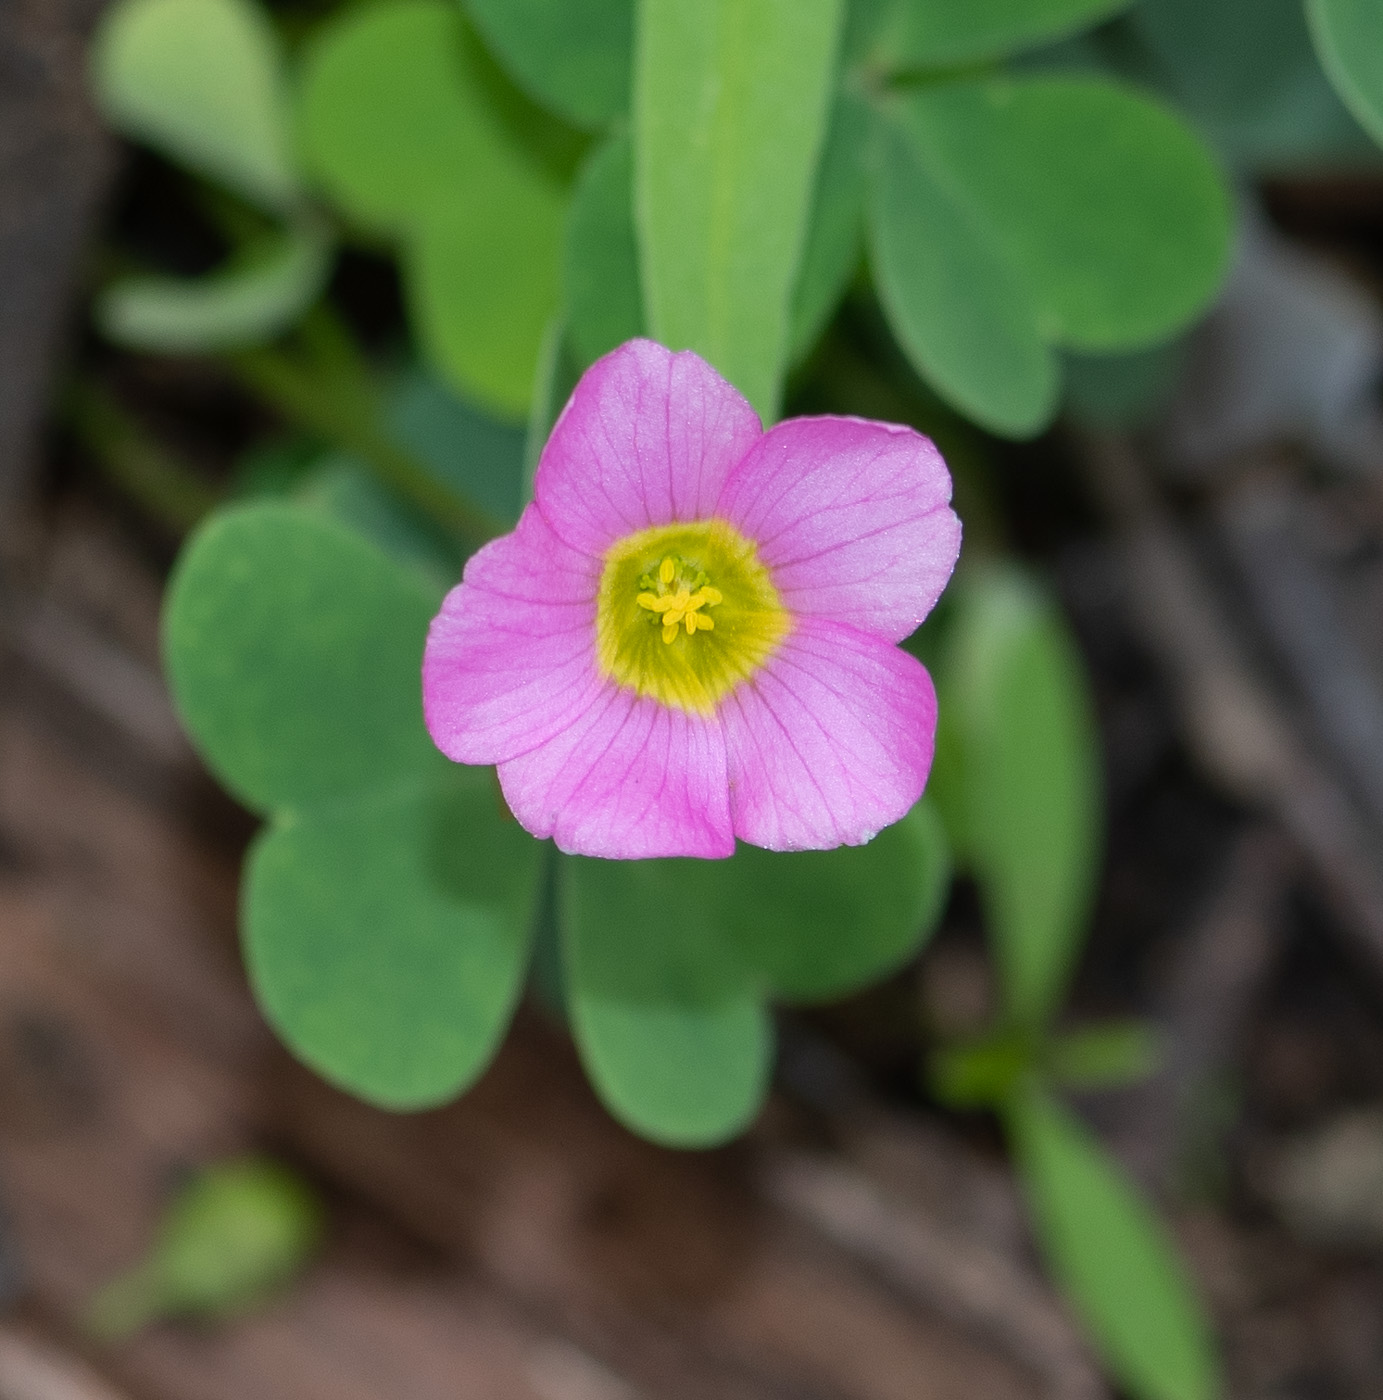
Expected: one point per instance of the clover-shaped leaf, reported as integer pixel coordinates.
(571, 55)
(202, 82)
(1349, 38)
(669, 963)
(941, 33)
(1015, 215)
(389, 904)
(411, 128)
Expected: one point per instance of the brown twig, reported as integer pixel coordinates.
(1234, 723)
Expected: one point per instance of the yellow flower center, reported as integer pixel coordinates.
(686, 612)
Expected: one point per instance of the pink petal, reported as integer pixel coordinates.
(510, 659)
(830, 742)
(629, 778)
(853, 519)
(647, 437)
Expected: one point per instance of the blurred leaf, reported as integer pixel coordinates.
(413, 131)
(674, 1039)
(476, 455)
(959, 310)
(603, 298)
(1266, 104)
(387, 939)
(571, 55)
(483, 283)
(1105, 1056)
(1102, 202)
(252, 299)
(812, 925)
(201, 81)
(1112, 1257)
(558, 373)
(981, 1075)
(835, 230)
(730, 105)
(294, 650)
(236, 1234)
(942, 33)
(1029, 757)
(344, 489)
(1349, 39)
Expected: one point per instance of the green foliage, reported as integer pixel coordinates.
(1112, 1257)
(730, 105)
(202, 82)
(1014, 215)
(1104, 1056)
(1349, 38)
(835, 229)
(960, 312)
(1023, 731)
(941, 33)
(604, 301)
(411, 129)
(251, 299)
(387, 939)
(237, 1233)
(1265, 105)
(668, 963)
(389, 905)
(293, 649)
(573, 56)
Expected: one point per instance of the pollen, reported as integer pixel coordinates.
(665, 629)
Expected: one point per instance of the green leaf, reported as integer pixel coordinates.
(201, 81)
(387, 939)
(343, 488)
(1108, 1055)
(571, 55)
(673, 1036)
(483, 281)
(294, 650)
(603, 299)
(812, 925)
(942, 33)
(1103, 202)
(957, 307)
(411, 129)
(237, 1233)
(1349, 39)
(253, 299)
(835, 231)
(1264, 105)
(478, 456)
(1112, 1257)
(730, 106)
(1023, 720)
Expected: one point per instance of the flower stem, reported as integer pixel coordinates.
(328, 392)
(165, 487)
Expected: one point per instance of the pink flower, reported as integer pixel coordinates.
(691, 635)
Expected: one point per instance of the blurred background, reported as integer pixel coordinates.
(1205, 519)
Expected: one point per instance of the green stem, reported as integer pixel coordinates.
(337, 409)
(166, 488)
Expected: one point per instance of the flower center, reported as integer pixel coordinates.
(686, 612)
(668, 596)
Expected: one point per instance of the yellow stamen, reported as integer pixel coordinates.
(656, 586)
